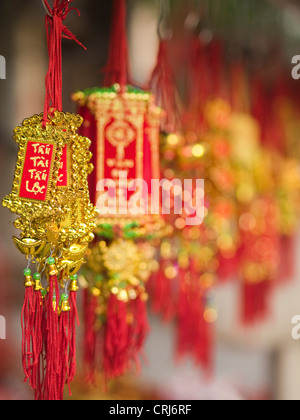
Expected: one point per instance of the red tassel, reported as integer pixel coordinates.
(51, 385)
(90, 335)
(141, 322)
(64, 343)
(37, 371)
(287, 262)
(73, 319)
(162, 298)
(116, 70)
(116, 340)
(194, 335)
(162, 85)
(139, 329)
(227, 268)
(27, 324)
(255, 301)
(56, 30)
(184, 321)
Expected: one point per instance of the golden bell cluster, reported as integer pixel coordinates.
(121, 268)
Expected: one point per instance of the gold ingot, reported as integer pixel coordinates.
(28, 246)
(75, 252)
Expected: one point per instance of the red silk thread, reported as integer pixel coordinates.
(56, 30)
(117, 68)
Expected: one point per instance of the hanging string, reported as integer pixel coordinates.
(117, 68)
(56, 30)
(165, 12)
(162, 80)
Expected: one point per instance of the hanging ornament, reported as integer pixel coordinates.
(123, 123)
(198, 149)
(56, 218)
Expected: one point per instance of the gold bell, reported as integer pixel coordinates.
(28, 279)
(38, 285)
(52, 267)
(65, 306)
(74, 284)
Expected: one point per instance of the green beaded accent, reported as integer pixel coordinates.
(74, 277)
(64, 297)
(43, 292)
(37, 276)
(27, 272)
(111, 89)
(51, 261)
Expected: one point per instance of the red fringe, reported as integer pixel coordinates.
(37, 370)
(116, 70)
(227, 268)
(287, 260)
(139, 330)
(90, 336)
(64, 345)
(194, 334)
(116, 340)
(51, 391)
(162, 299)
(255, 302)
(162, 85)
(142, 327)
(73, 318)
(28, 339)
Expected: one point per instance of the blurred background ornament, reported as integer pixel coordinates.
(123, 123)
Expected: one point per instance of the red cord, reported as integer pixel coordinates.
(56, 30)
(116, 70)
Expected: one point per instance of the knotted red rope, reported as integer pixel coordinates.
(56, 30)
(116, 70)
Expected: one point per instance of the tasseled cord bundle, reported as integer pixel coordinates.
(125, 334)
(49, 334)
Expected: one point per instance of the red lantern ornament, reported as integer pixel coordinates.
(123, 123)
